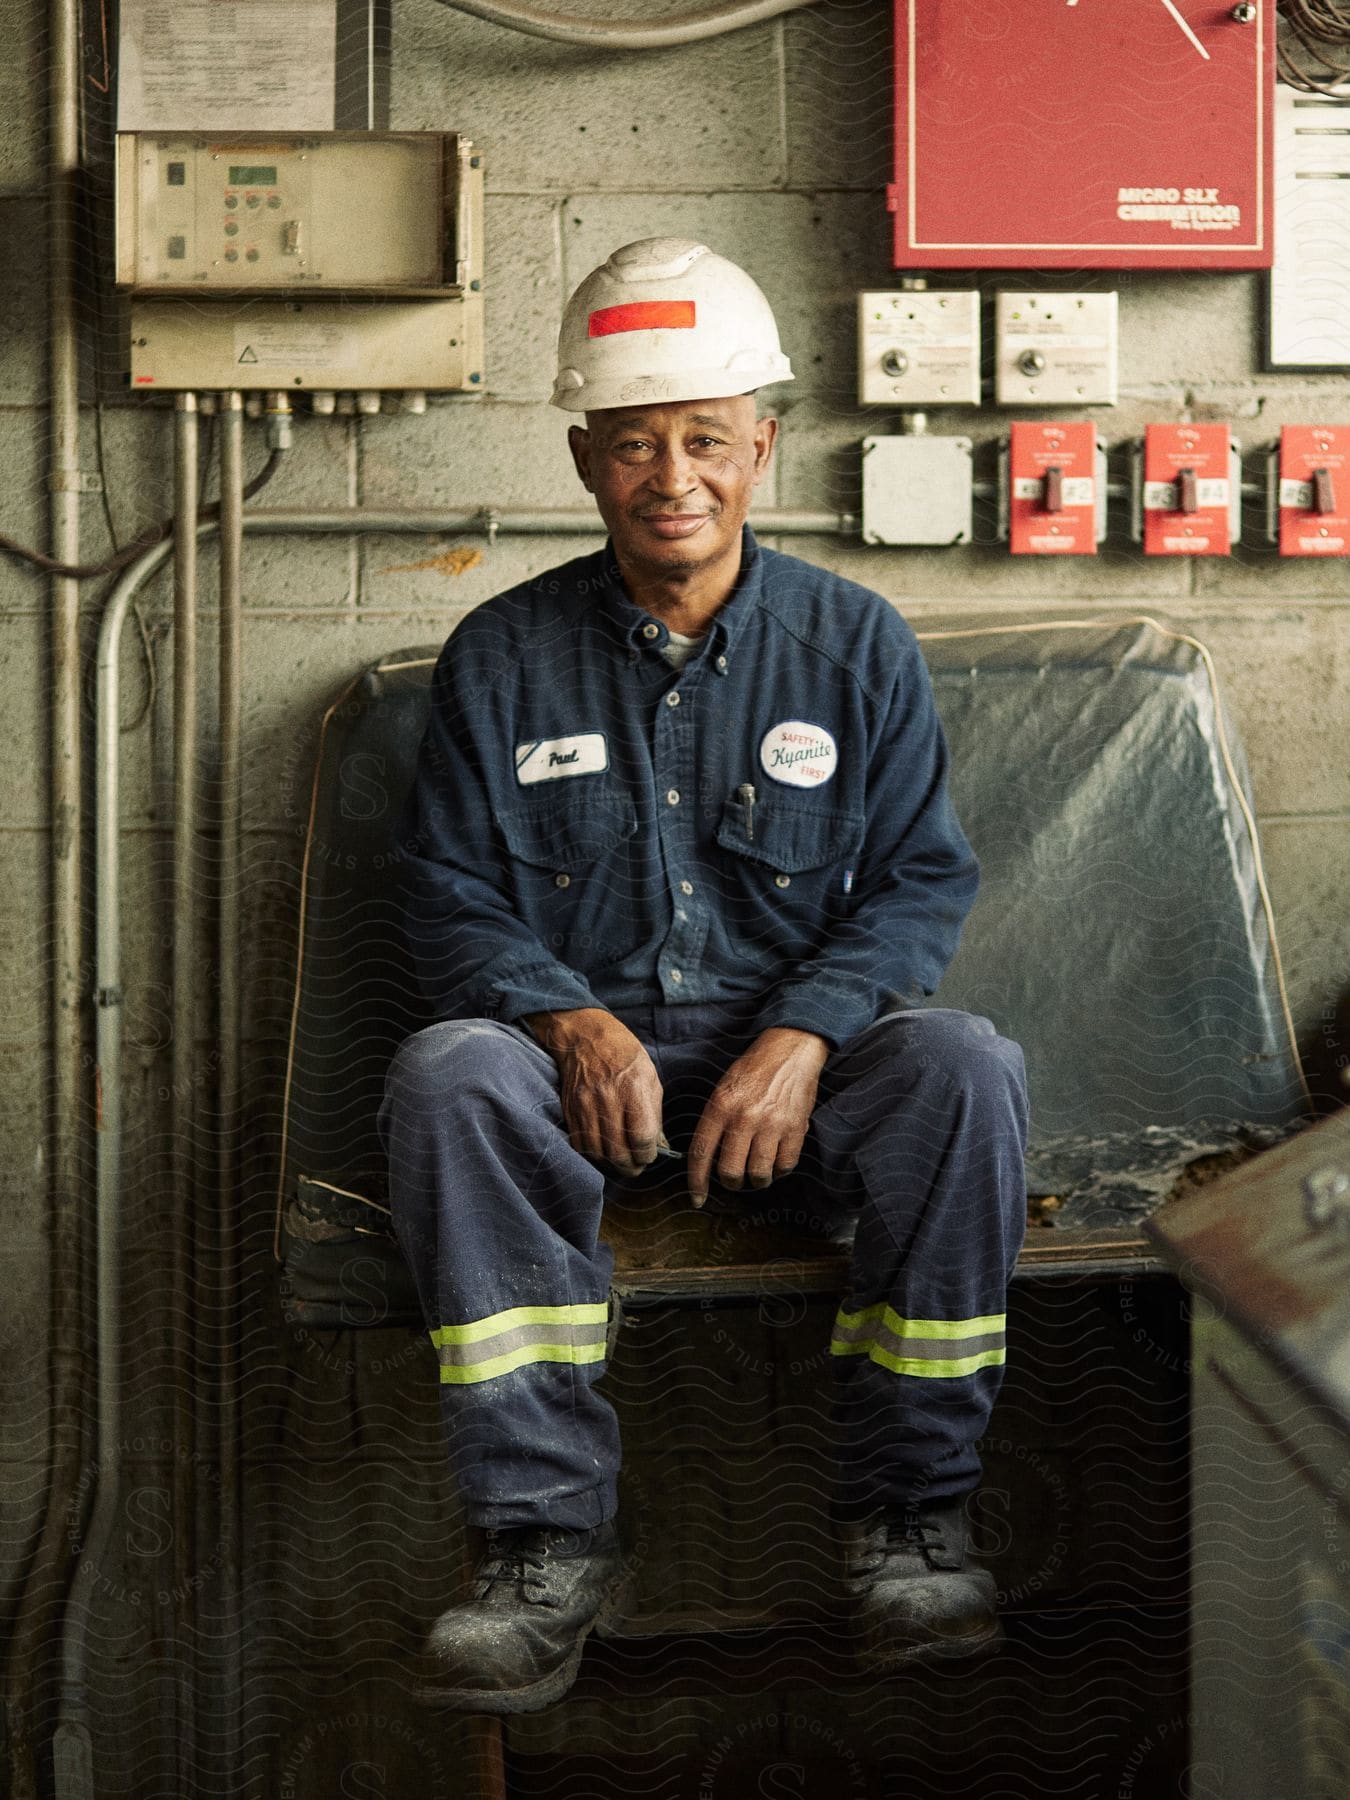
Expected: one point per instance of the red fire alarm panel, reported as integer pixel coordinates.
(1083, 135)
(1188, 490)
(1053, 493)
(1315, 490)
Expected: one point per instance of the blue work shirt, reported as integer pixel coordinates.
(589, 828)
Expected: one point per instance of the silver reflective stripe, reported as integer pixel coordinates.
(484, 1349)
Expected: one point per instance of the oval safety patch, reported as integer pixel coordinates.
(799, 754)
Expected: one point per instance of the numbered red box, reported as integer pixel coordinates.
(1052, 489)
(1188, 490)
(1315, 490)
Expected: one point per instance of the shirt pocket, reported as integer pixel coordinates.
(572, 874)
(790, 869)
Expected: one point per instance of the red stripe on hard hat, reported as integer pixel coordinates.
(643, 315)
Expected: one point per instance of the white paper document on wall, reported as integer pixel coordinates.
(251, 65)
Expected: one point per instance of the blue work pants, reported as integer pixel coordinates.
(917, 1138)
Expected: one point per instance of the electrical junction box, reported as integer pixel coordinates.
(919, 348)
(1055, 350)
(916, 490)
(1188, 490)
(1311, 491)
(1083, 135)
(1053, 495)
(1309, 299)
(341, 260)
(339, 212)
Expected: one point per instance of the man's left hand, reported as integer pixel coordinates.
(754, 1125)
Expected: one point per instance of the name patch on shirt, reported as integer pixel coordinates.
(799, 754)
(549, 759)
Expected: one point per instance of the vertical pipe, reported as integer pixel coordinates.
(30, 1641)
(229, 966)
(185, 900)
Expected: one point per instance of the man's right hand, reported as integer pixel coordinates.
(611, 1093)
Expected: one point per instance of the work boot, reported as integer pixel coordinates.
(916, 1594)
(515, 1645)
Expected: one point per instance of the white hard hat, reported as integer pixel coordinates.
(665, 319)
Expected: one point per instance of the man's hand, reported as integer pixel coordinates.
(754, 1125)
(611, 1093)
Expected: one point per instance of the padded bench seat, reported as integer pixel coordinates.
(1120, 936)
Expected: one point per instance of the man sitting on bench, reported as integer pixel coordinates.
(685, 872)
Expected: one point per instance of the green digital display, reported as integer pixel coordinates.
(253, 175)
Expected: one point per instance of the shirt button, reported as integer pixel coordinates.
(672, 698)
(672, 796)
(562, 881)
(782, 881)
(676, 975)
(651, 631)
(686, 887)
(722, 665)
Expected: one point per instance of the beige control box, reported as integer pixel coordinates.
(341, 261)
(337, 212)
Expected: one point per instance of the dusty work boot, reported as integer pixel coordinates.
(515, 1645)
(916, 1594)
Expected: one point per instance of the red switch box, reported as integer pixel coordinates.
(1315, 490)
(1188, 490)
(1052, 498)
(1081, 136)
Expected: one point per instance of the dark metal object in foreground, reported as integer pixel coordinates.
(1266, 1252)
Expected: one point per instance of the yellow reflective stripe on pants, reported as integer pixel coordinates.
(935, 1348)
(501, 1342)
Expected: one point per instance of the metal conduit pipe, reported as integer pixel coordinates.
(229, 806)
(63, 1119)
(606, 34)
(187, 1025)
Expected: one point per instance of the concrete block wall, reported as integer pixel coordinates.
(773, 144)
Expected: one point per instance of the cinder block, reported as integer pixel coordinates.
(522, 296)
(1178, 327)
(809, 252)
(23, 961)
(1308, 871)
(1264, 656)
(556, 118)
(23, 73)
(985, 572)
(410, 573)
(24, 1332)
(840, 106)
(25, 683)
(489, 454)
(23, 300)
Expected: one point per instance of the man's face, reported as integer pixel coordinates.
(673, 482)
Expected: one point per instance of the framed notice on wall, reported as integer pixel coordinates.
(252, 65)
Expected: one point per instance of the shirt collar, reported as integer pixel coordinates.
(631, 622)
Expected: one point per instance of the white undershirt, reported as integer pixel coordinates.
(678, 648)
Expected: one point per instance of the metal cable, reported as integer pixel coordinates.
(605, 34)
(146, 540)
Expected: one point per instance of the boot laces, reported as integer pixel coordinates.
(512, 1559)
(912, 1533)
